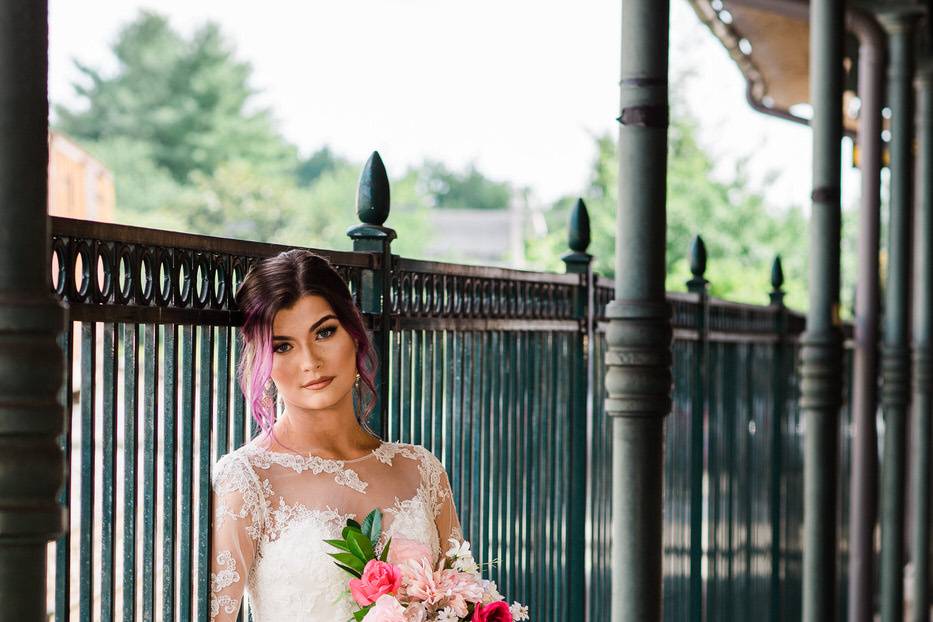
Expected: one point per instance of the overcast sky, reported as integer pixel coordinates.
(519, 87)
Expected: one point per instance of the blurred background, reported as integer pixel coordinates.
(252, 120)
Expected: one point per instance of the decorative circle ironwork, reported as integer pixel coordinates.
(124, 271)
(82, 252)
(181, 284)
(103, 269)
(221, 288)
(60, 253)
(143, 277)
(203, 275)
(163, 277)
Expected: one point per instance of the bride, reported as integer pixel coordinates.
(317, 463)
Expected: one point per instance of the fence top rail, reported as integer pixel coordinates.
(130, 234)
(406, 264)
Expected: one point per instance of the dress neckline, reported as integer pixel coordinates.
(311, 456)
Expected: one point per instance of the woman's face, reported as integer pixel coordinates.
(310, 344)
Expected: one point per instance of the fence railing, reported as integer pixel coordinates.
(499, 372)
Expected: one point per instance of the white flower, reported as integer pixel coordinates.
(519, 611)
(491, 592)
(459, 549)
(447, 615)
(466, 564)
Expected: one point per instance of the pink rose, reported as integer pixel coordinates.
(497, 611)
(386, 609)
(402, 549)
(378, 578)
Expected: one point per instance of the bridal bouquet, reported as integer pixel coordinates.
(401, 586)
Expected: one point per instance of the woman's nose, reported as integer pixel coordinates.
(310, 360)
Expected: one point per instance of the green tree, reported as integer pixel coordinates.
(176, 126)
(467, 189)
(742, 233)
(187, 100)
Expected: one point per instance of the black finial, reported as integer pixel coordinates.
(698, 257)
(697, 266)
(777, 281)
(578, 237)
(372, 198)
(777, 273)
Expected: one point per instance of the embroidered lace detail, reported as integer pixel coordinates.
(233, 475)
(285, 514)
(431, 471)
(220, 580)
(343, 475)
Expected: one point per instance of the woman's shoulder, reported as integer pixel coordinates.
(232, 468)
(414, 451)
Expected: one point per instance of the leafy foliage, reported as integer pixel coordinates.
(742, 233)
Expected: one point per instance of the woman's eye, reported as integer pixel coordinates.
(276, 348)
(330, 330)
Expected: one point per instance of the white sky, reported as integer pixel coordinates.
(518, 87)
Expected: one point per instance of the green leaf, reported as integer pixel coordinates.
(385, 550)
(350, 529)
(350, 560)
(340, 544)
(359, 615)
(360, 546)
(372, 525)
(350, 570)
(353, 523)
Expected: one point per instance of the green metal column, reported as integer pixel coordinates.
(699, 286)
(895, 382)
(578, 261)
(922, 350)
(863, 481)
(372, 208)
(780, 375)
(821, 357)
(31, 320)
(638, 378)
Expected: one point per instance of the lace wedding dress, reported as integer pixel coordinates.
(273, 510)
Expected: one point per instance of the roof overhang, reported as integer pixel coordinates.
(769, 41)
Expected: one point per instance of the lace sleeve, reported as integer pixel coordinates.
(235, 531)
(442, 501)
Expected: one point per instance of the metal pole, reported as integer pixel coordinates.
(863, 483)
(372, 208)
(821, 358)
(638, 378)
(700, 286)
(31, 320)
(578, 261)
(922, 350)
(895, 386)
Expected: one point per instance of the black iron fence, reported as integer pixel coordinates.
(499, 372)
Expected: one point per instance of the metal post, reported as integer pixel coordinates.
(895, 384)
(922, 403)
(372, 208)
(863, 483)
(699, 286)
(578, 261)
(821, 358)
(778, 420)
(638, 378)
(31, 321)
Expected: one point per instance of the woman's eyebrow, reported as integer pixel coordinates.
(313, 326)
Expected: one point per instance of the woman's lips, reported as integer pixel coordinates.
(319, 386)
